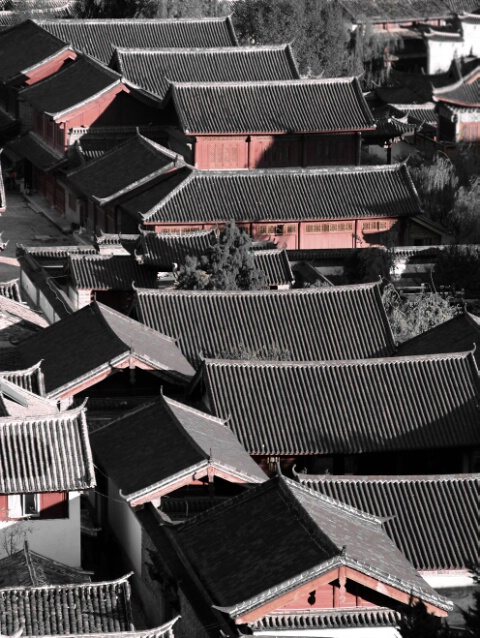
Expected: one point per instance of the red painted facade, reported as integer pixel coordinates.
(49, 67)
(343, 588)
(9, 91)
(321, 233)
(114, 108)
(51, 505)
(275, 151)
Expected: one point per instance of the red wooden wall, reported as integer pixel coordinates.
(275, 151)
(52, 505)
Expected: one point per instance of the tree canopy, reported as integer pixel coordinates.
(409, 318)
(417, 622)
(228, 265)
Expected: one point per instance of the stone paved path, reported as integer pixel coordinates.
(20, 224)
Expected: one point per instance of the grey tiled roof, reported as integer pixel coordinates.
(459, 334)
(45, 453)
(35, 150)
(154, 446)
(16, 57)
(329, 619)
(303, 323)
(99, 38)
(432, 519)
(17, 402)
(109, 272)
(29, 569)
(31, 379)
(11, 290)
(94, 608)
(164, 249)
(195, 196)
(71, 86)
(90, 341)
(275, 265)
(155, 69)
(465, 92)
(124, 168)
(393, 11)
(351, 407)
(291, 106)
(243, 536)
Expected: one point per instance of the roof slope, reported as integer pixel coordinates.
(432, 519)
(275, 265)
(33, 148)
(94, 608)
(163, 442)
(15, 57)
(46, 453)
(122, 169)
(195, 196)
(164, 249)
(404, 403)
(29, 569)
(465, 92)
(99, 38)
(16, 401)
(92, 339)
(109, 272)
(459, 334)
(392, 11)
(302, 323)
(272, 107)
(76, 84)
(154, 69)
(243, 536)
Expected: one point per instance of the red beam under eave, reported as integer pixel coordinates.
(130, 362)
(190, 479)
(349, 573)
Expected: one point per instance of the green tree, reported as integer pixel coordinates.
(316, 28)
(471, 618)
(417, 622)
(228, 265)
(368, 264)
(409, 318)
(450, 190)
(458, 268)
(147, 8)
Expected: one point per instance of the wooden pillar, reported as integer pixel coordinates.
(359, 148)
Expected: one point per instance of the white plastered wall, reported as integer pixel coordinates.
(58, 539)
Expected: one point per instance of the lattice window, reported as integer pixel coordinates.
(341, 227)
(375, 226)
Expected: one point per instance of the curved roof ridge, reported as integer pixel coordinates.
(297, 171)
(129, 20)
(386, 478)
(189, 408)
(202, 50)
(342, 363)
(117, 581)
(339, 505)
(332, 290)
(66, 415)
(103, 309)
(294, 82)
